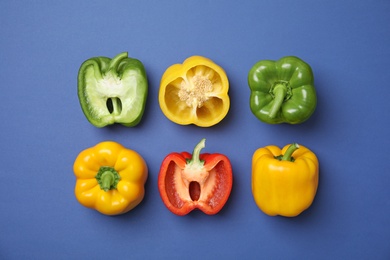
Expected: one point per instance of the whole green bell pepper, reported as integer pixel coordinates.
(282, 91)
(112, 90)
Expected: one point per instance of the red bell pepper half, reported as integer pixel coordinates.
(198, 181)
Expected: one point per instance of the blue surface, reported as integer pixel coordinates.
(42, 45)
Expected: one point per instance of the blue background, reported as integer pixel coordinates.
(42, 45)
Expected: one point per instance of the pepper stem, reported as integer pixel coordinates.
(196, 153)
(287, 156)
(279, 92)
(116, 60)
(107, 178)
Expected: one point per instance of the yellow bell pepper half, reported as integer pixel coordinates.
(195, 92)
(284, 182)
(110, 178)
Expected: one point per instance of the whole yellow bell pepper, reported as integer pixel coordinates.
(110, 178)
(195, 92)
(284, 182)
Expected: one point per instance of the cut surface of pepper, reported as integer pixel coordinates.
(195, 92)
(282, 91)
(198, 181)
(112, 90)
(284, 182)
(110, 178)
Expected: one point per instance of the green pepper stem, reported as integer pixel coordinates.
(280, 92)
(287, 156)
(196, 153)
(116, 60)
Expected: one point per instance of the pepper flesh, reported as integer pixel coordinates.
(282, 91)
(112, 90)
(110, 178)
(195, 92)
(198, 181)
(284, 182)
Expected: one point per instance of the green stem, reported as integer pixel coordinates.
(280, 92)
(116, 60)
(287, 156)
(196, 153)
(107, 178)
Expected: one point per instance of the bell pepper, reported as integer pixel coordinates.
(284, 182)
(110, 178)
(282, 91)
(195, 92)
(198, 181)
(112, 90)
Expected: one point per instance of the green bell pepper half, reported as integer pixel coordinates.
(112, 90)
(282, 91)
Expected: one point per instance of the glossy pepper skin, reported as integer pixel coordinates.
(284, 182)
(110, 178)
(195, 92)
(112, 90)
(282, 91)
(198, 181)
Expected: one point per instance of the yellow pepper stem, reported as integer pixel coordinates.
(107, 178)
(287, 156)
